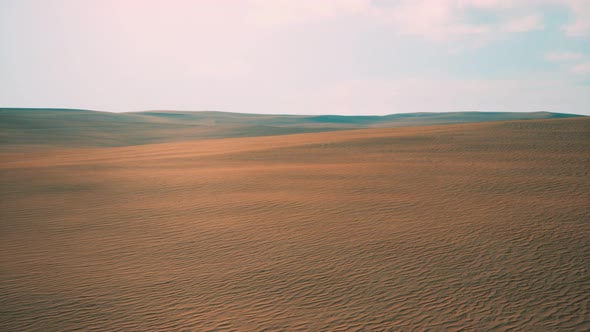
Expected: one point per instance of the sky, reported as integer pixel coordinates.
(297, 56)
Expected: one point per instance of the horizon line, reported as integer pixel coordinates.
(284, 114)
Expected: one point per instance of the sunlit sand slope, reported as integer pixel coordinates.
(474, 227)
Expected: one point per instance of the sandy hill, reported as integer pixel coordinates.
(43, 128)
(458, 227)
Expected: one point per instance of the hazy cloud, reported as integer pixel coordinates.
(564, 56)
(577, 63)
(279, 12)
(523, 24)
(581, 68)
(580, 26)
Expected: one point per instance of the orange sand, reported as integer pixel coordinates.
(477, 227)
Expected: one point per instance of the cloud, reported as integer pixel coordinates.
(452, 21)
(523, 24)
(581, 68)
(580, 27)
(540, 93)
(576, 63)
(435, 20)
(564, 56)
(281, 12)
(439, 21)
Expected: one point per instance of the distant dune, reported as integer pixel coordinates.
(477, 227)
(43, 128)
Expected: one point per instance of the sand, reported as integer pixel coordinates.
(457, 227)
(40, 128)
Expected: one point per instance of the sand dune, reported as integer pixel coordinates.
(49, 128)
(456, 227)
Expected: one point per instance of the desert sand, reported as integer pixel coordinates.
(41, 128)
(455, 227)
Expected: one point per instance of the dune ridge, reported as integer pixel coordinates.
(50, 128)
(457, 227)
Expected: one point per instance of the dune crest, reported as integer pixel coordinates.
(39, 128)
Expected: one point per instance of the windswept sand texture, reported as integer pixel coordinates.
(457, 227)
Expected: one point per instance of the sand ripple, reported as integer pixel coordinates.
(451, 228)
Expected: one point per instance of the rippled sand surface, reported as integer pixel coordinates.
(460, 227)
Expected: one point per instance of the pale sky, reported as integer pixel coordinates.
(297, 56)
